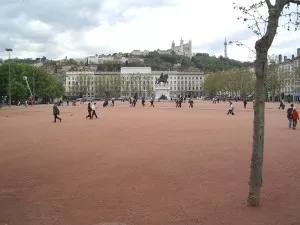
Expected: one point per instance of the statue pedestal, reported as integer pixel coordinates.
(162, 89)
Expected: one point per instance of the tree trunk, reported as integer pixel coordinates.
(255, 181)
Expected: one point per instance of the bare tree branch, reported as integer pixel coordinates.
(269, 4)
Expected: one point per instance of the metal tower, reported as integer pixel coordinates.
(225, 49)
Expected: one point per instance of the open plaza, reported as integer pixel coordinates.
(145, 166)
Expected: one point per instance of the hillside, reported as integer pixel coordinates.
(160, 62)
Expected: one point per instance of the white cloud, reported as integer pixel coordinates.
(126, 25)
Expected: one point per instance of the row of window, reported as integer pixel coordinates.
(144, 82)
(185, 88)
(185, 82)
(142, 77)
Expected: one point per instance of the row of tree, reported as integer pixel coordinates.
(235, 82)
(108, 86)
(240, 82)
(44, 86)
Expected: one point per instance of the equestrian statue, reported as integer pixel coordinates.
(162, 79)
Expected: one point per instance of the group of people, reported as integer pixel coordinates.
(181, 99)
(91, 110)
(133, 102)
(292, 113)
(292, 116)
(105, 103)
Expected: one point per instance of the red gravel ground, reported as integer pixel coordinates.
(144, 166)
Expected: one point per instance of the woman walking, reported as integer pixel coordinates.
(89, 111)
(295, 117)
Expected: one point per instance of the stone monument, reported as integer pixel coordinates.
(162, 87)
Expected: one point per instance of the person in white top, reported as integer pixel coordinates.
(231, 109)
(94, 107)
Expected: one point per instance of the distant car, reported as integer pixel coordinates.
(119, 99)
(207, 98)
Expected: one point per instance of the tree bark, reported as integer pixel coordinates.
(261, 63)
(255, 181)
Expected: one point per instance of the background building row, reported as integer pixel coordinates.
(130, 81)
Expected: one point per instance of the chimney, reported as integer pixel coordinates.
(280, 58)
(298, 52)
(284, 58)
(293, 57)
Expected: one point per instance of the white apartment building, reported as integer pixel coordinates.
(80, 84)
(291, 82)
(186, 84)
(130, 81)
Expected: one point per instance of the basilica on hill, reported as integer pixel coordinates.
(182, 49)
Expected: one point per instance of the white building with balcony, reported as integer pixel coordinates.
(132, 81)
(289, 73)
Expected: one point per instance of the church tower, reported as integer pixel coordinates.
(181, 42)
(225, 49)
(181, 45)
(173, 45)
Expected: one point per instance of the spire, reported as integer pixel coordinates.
(225, 48)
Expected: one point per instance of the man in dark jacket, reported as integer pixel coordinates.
(89, 111)
(56, 112)
(143, 102)
(289, 115)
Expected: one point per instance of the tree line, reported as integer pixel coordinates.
(44, 87)
(240, 82)
(109, 86)
(234, 82)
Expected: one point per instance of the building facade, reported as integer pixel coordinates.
(183, 49)
(288, 72)
(132, 81)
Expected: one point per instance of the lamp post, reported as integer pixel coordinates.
(33, 88)
(9, 50)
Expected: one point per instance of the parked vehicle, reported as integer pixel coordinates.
(119, 99)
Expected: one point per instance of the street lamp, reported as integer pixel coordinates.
(9, 50)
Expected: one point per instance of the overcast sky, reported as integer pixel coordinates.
(76, 29)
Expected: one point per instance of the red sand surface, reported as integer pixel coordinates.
(144, 166)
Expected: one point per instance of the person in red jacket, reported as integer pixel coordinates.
(295, 117)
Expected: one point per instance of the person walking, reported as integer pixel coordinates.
(281, 105)
(89, 111)
(245, 104)
(56, 112)
(191, 102)
(94, 107)
(295, 117)
(143, 102)
(231, 109)
(151, 102)
(290, 116)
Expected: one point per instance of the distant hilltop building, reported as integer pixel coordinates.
(138, 52)
(182, 49)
